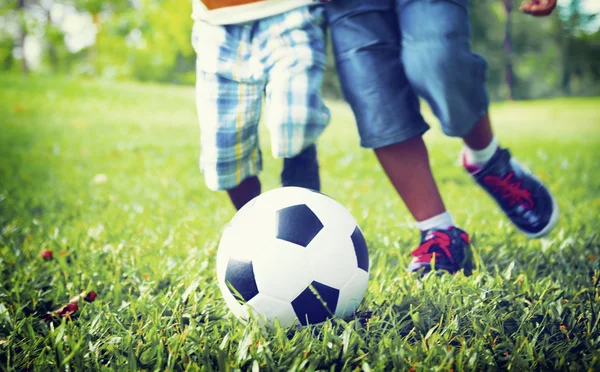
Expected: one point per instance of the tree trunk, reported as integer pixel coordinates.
(52, 54)
(567, 67)
(93, 54)
(510, 76)
(22, 36)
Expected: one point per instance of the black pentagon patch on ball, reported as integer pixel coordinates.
(240, 280)
(297, 224)
(316, 303)
(360, 248)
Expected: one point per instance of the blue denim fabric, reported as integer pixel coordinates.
(390, 52)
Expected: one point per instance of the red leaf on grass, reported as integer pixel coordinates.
(91, 296)
(46, 255)
(72, 306)
(68, 309)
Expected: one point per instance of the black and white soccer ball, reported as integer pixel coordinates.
(294, 255)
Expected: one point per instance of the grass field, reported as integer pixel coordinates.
(105, 176)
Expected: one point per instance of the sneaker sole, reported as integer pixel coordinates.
(551, 223)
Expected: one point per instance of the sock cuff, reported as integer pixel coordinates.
(493, 144)
(441, 221)
(480, 157)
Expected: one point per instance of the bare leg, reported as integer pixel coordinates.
(407, 166)
(244, 192)
(481, 135)
(301, 170)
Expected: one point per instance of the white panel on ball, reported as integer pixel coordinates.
(283, 270)
(332, 257)
(352, 293)
(243, 238)
(331, 213)
(269, 308)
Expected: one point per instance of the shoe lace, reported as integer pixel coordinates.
(435, 238)
(508, 188)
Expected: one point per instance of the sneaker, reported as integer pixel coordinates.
(523, 198)
(448, 250)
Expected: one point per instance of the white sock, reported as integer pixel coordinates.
(441, 221)
(478, 158)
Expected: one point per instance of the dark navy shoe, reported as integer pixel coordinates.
(302, 170)
(523, 198)
(447, 249)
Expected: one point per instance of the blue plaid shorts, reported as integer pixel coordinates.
(280, 59)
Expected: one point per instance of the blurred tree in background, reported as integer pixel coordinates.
(149, 40)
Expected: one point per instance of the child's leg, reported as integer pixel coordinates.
(442, 68)
(481, 136)
(419, 190)
(244, 192)
(230, 158)
(366, 40)
(228, 101)
(526, 201)
(294, 111)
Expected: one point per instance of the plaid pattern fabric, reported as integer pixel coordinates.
(279, 59)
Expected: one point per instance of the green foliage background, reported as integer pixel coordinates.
(149, 40)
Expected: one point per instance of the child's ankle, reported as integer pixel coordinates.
(441, 221)
(474, 160)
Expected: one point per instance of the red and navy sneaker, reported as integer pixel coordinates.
(524, 199)
(447, 249)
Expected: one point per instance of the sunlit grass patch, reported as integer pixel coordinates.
(105, 177)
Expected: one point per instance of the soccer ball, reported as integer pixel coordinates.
(294, 255)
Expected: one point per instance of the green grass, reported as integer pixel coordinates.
(105, 175)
